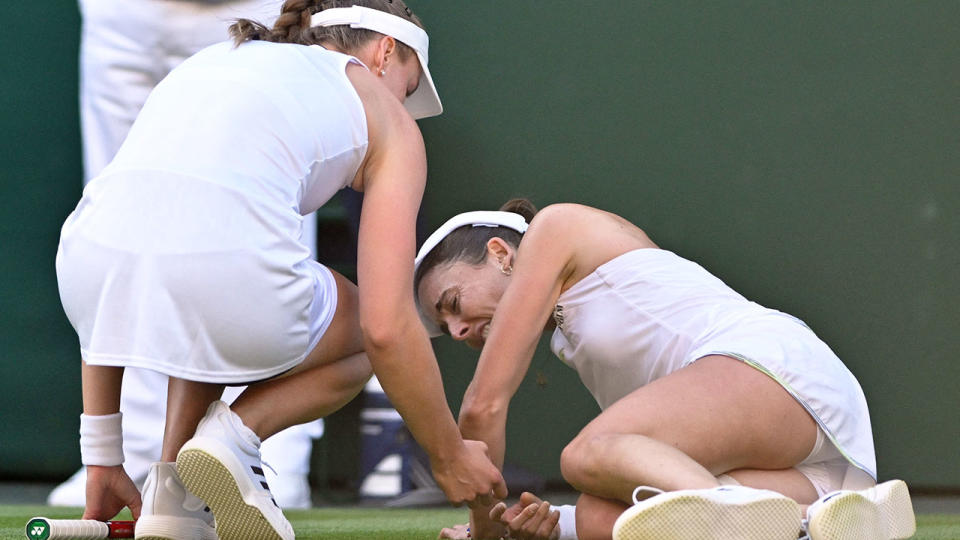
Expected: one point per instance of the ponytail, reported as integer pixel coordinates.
(289, 27)
(293, 25)
(520, 206)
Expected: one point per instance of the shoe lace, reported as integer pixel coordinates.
(267, 465)
(651, 491)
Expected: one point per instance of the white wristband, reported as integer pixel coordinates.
(101, 439)
(568, 521)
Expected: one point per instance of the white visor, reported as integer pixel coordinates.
(425, 101)
(482, 218)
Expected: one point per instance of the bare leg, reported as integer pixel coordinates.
(614, 471)
(187, 402)
(789, 482)
(679, 432)
(306, 396)
(596, 516)
(331, 375)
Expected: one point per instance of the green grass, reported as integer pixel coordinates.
(389, 524)
(318, 523)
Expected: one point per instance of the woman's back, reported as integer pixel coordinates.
(278, 122)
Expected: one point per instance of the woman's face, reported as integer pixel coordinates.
(401, 77)
(461, 298)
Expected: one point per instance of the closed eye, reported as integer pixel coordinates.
(449, 301)
(411, 90)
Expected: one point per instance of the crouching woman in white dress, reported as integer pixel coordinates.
(698, 386)
(183, 257)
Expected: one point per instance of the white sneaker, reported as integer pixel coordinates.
(221, 465)
(883, 512)
(170, 512)
(719, 513)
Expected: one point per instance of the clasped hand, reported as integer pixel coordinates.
(470, 478)
(528, 519)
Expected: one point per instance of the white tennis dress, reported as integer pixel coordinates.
(650, 312)
(183, 254)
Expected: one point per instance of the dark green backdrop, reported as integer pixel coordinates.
(806, 153)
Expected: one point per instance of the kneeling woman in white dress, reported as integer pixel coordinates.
(699, 387)
(183, 257)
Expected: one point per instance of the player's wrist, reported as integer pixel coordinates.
(101, 439)
(446, 453)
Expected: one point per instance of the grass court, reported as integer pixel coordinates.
(351, 523)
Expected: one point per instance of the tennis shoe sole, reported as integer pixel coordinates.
(721, 513)
(883, 512)
(241, 513)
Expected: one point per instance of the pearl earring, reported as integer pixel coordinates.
(383, 72)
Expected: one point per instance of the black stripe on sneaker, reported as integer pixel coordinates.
(265, 486)
(257, 470)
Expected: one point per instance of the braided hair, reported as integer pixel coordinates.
(293, 25)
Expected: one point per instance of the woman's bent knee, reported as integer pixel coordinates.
(580, 461)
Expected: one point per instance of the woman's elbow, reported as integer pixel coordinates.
(379, 338)
(383, 332)
(477, 415)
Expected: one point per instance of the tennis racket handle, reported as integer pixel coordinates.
(41, 528)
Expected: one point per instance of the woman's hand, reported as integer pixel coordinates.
(482, 527)
(470, 477)
(457, 532)
(110, 490)
(528, 519)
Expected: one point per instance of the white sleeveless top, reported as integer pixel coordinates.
(183, 256)
(280, 123)
(649, 312)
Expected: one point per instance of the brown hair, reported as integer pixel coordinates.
(293, 25)
(469, 244)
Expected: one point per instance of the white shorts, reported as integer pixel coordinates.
(829, 471)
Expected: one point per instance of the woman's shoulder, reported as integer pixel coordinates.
(592, 236)
(386, 116)
(576, 218)
(562, 214)
(566, 228)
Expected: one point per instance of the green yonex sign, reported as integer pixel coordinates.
(38, 529)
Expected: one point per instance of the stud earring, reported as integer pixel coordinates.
(383, 72)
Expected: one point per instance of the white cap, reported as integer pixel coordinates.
(480, 218)
(425, 101)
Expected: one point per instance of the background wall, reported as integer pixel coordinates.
(806, 154)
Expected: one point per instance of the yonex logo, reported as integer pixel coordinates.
(38, 529)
